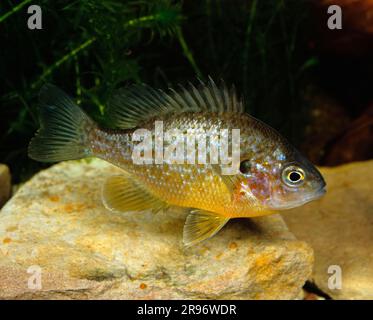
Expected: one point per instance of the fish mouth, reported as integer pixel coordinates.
(307, 198)
(321, 191)
(315, 196)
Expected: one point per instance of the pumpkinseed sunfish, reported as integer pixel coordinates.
(271, 174)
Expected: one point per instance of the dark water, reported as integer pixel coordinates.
(311, 83)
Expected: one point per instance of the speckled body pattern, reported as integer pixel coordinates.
(198, 186)
(269, 175)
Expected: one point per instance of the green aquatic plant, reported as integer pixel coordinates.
(90, 48)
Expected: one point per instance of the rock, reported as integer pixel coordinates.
(339, 227)
(355, 143)
(5, 185)
(326, 120)
(56, 222)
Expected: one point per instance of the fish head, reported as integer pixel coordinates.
(296, 182)
(282, 181)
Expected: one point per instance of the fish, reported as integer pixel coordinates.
(270, 176)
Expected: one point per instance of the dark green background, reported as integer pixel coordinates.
(90, 48)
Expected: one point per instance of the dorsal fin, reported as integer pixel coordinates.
(137, 103)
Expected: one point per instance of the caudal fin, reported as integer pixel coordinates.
(64, 128)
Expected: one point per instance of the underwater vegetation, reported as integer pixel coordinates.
(90, 48)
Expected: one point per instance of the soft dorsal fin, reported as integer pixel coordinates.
(201, 225)
(137, 103)
(121, 193)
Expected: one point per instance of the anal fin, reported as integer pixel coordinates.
(201, 225)
(121, 193)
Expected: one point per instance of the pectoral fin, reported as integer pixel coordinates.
(121, 193)
(201, 225)
(230, 181)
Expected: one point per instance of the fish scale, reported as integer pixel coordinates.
(272, 174)
(204, 188)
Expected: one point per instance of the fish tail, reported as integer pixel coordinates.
(64, 128)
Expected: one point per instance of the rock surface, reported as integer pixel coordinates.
(57, 224)
(339, 227)
(5, 185)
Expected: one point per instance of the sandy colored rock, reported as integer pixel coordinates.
(5, 185)
(56, 221)
(339, 227)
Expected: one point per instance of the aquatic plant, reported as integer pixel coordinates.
(90, 48)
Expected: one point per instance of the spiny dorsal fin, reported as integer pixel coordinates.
(121, 193)
(137, 103)
(201, 225)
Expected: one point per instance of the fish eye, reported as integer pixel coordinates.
(245, 166)
(293, 176)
